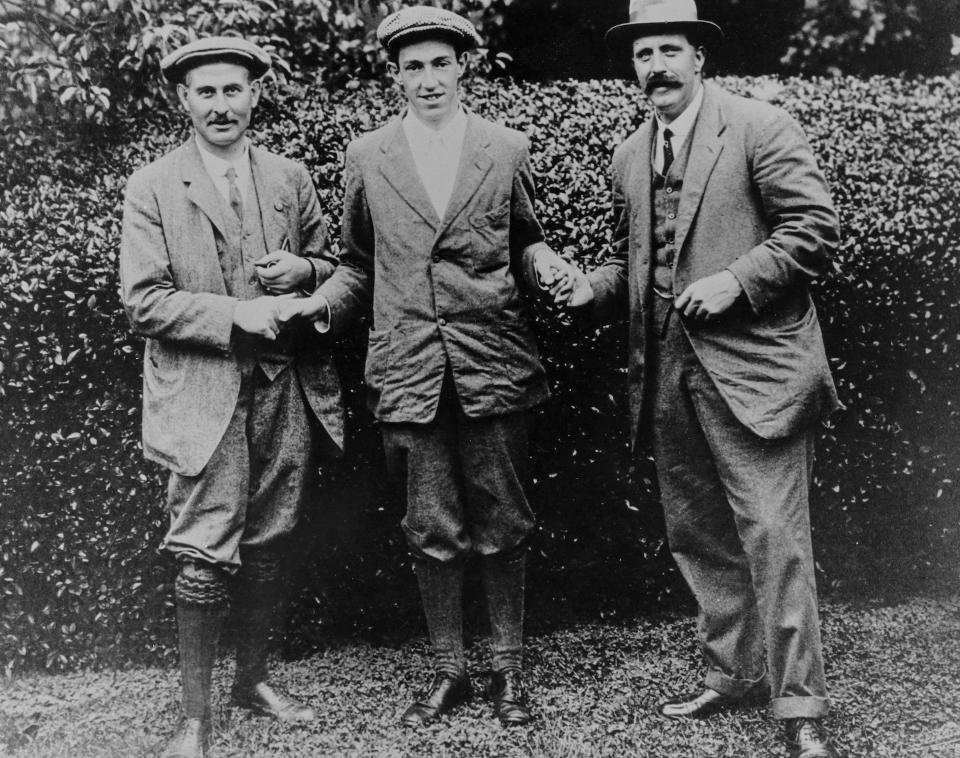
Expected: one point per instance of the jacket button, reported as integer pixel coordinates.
(278, 205)
(671, 215)
(443, 322)
(436, 259)
(669, 190)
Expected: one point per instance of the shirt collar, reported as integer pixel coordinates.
(682, 124)
(421, 134)
(217, 166)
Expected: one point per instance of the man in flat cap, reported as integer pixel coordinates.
(440, 239)
(236, 406)
(721, 222)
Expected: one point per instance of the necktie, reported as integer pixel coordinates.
(667, 151)
(236, 202)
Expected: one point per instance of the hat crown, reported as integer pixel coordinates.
(662, 11)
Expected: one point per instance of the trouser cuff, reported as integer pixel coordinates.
(800, 707)
(733, 687)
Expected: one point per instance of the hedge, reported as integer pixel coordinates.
(81, 513)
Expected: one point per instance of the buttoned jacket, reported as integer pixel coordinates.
(444, 291)
(754, 202)
(174, 294)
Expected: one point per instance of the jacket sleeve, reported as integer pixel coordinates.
(153, 303)
(609, 281)
(796, 201)
(349, 290)
(314, 235)
(526, 234)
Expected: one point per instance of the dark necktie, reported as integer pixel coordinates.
(236, 202)
(667, 151)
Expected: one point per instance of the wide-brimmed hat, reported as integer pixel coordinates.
(422, 20)
(651, 17)
(175, 65)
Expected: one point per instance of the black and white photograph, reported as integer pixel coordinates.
(480, 378)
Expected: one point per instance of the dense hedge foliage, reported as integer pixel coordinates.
(89, 59)
(81, 513)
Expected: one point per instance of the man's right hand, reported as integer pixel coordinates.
(582, 292)
(314, 308)
(259, 316)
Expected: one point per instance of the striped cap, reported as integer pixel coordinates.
(424, 19)
(213, 50)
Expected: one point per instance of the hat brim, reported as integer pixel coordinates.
(705, 33)
(427, 31)
(178, 70)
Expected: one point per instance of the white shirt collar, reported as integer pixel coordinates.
(682, 124)
(450, 134)
(217, 166)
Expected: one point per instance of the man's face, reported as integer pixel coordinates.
(429, 72)
(668, 68)
(220, 99)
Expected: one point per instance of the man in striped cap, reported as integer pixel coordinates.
(235, 406)
(441, 241)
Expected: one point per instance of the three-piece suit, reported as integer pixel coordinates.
(232, 416)
(729, 405)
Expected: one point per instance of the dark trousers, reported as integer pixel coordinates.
(737, 516)
(463, 481)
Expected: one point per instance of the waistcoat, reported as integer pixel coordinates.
(665, 197)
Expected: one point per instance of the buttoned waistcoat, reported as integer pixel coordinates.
(753, 201)
(442, 291)
(174, 294)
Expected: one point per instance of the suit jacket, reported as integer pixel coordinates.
(441, 290)
(753, 201)
(174, 294)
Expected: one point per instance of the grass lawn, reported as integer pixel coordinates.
(894, 674)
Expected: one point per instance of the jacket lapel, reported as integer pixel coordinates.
(200, 189)
(400, 171)
(272, 197)
(475, 164)
(704, 152)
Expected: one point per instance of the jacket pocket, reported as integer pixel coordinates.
(491, 238)
(378, 356)
(164, 369)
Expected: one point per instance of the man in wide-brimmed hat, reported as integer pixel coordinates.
(440, 241)
(721, 222)
(237, 407)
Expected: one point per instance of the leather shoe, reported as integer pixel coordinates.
(806, 738)
(509, 698)
(446, 692)
(708, 703)
(189, 741)
(263, 699)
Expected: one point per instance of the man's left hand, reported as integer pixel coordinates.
(281, 272)
(709, 297)
(553, 274)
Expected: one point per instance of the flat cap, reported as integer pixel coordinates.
(419, 20)
(213, 50)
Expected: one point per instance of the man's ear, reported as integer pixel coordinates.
(394, 70)
(256, 87)
(462, 62)
(182, 96)
(701, 56)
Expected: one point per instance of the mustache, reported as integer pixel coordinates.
(660, 81)
(222, 121)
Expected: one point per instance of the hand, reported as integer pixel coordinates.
(709, 297)
(582, 292)
(282, 272)
(553, 275)
(258, 316)
(314, 307)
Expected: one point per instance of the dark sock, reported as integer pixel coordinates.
(202, 605)
(504, 581)
(441, 589)
(257, 600)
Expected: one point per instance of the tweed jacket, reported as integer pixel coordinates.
(442, 291)
(753, 201)
(174, 294)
